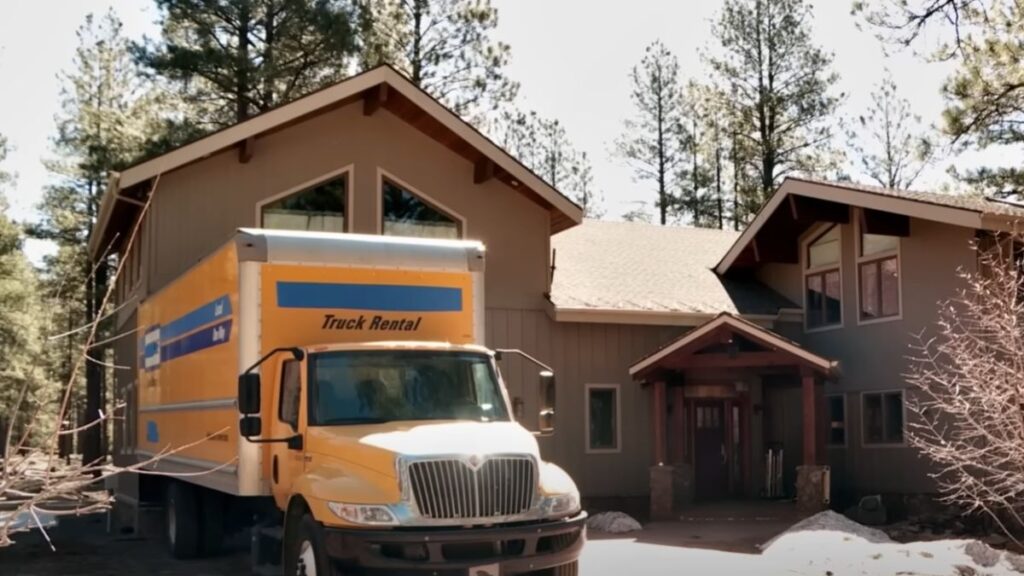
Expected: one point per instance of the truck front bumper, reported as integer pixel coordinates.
(515, 549)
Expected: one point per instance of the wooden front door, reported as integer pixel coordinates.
(711, 470)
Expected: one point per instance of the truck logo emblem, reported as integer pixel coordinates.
(474, 462)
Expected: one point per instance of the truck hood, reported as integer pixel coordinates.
(376, 446)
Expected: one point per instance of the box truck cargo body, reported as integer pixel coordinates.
(343, 379)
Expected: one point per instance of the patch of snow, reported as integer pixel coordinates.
(613, 523)
(830, 542)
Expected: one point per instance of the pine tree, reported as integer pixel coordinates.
(444, 47)
(780, 87)
(888, 141)
(651, 143)
(544, 146)
(232, 59)
(24, 388)
(985, 93)
(696, 175)
(107, 111)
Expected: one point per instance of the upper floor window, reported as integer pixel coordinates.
(404, 213)
(878, 268)
(823, 301)
(320, 208)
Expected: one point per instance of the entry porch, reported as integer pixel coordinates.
(738, 411)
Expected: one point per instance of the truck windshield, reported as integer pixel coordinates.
(380, 386)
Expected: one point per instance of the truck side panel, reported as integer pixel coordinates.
(309, 305)
(188, 371)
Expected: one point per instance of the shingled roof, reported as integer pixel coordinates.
(634, 267)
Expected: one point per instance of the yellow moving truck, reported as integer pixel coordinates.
(331, 392)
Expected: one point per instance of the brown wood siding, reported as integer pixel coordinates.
(584, 354)
(874, 356)
(198, 207)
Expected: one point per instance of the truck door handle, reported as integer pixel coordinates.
(273, 468)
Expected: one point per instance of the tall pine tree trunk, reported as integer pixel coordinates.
(92, 445)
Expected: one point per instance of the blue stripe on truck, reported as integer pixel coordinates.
(201, 340)
(205, 314)
(378, 297)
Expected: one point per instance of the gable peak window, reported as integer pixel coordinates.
(878, 271)
(319, 208)
(405, 213)
(823, 300)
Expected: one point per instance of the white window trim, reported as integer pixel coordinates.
(350, 200)
(586, 419)
(815, 232)
(382, 174)
(863, 428)
(859, 259)
(846, 422)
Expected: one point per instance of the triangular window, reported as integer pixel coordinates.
(321, 208)
(406, 214)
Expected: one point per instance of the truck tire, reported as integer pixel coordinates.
(305, 552)
(212, 529)
(182, 520)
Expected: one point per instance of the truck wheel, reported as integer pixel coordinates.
(212, 529)
(182, 520)
(306, 554)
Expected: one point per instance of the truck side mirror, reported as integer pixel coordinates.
(249, 393)
(547, 402)
(250, 426)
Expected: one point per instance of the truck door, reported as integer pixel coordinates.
(288, 419)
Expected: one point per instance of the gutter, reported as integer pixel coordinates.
(662, 317)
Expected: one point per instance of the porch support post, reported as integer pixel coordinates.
(660, 407)
(812, 479)
(810, 432)
(678, 431)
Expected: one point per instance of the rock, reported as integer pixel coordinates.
(613, 523)
(982, 554)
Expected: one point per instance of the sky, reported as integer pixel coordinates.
(572, 59)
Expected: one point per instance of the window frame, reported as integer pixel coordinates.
(383, 175)
(805, 266)
(863, 414)
(280, 394)
(860, 260)
(349, 171)
(846, 421)
(618, 419)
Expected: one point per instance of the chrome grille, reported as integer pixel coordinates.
(452, 488)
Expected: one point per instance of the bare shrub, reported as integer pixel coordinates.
(967, 393)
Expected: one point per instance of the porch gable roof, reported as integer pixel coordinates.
(692, 341)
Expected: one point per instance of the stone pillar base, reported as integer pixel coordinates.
(671, 490)
(662, 493)
(812, 491)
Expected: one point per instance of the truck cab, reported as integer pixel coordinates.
(402, 457)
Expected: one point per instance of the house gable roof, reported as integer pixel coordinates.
(734, 324)
(380, 88)
(958, 210)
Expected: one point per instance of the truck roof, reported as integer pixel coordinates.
(401, 345)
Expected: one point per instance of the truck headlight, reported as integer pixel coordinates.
(561, 504)
(366, 514)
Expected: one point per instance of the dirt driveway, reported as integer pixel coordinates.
(725, 544)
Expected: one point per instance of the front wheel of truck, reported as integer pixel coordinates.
(306, 554)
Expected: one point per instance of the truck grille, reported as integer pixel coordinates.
(453, 488)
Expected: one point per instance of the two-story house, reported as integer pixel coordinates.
(683, 355)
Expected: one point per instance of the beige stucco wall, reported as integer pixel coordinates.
(197, 207)
(873, 357)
